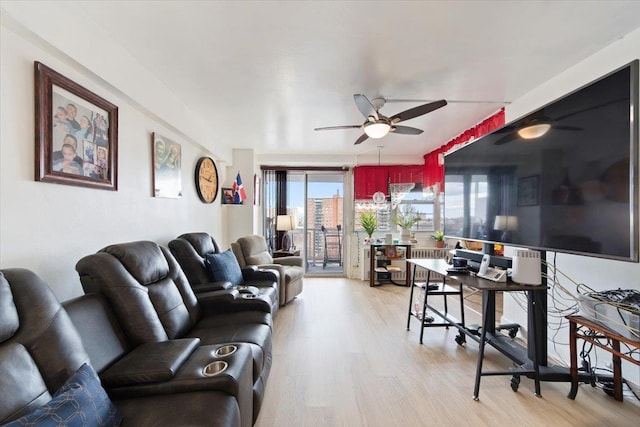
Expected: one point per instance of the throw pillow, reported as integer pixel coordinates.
(81, 401)
(9, 321)
(224, 267)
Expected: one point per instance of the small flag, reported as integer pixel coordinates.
(238, 190)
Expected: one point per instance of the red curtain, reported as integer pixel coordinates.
(401, 174)
(433, 173)
(369, 179)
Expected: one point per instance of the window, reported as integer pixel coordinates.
(381, 210)
(467, 192)
(426, 204)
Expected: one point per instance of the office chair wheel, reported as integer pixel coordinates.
(513, 332)
(460, 339)
(515, 382)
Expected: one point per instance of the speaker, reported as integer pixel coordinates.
(526, 268)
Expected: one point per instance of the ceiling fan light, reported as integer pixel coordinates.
(534, 130)
(376, 130)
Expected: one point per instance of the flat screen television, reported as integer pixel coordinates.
(570, 185)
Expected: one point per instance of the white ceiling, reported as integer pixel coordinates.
(267, 73)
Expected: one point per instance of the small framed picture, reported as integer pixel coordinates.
(227, 196)
(167, 172)
(391, 252)
(76, 133)
(528, 191)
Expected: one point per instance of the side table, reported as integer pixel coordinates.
(280, 254)
(599, 335)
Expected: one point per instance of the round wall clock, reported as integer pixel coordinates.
(206, 178)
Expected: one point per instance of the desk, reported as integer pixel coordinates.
(528, 365)
(599, 335)
(372, 258)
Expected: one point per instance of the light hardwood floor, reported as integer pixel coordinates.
(342, 357)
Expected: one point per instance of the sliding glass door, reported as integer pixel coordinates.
(325, 222)
(315, 200)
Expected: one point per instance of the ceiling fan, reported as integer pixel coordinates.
(532, 128)
(538, 124)
(377, 125)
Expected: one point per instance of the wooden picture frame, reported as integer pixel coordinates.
(76, 133)
(391, 252)
(167, 168)
(227, 196)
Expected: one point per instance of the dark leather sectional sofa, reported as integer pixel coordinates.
(156, 346)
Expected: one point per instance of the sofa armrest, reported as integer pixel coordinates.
(150, 363)
(258, 275)
(211, 286)
(290, 260)
(231, 301)
(278, 269)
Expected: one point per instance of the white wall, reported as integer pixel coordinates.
(240, 220)
(597, 273)
(48, 227)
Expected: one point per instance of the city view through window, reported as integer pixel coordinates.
(315, 200)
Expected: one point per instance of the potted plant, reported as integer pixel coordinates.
(405, 218)
(439, 238)
(369, 223)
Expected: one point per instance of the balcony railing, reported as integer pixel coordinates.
(317, 252)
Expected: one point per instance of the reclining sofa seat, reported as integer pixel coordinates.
(158, 368)
(253, 251)
(40, 348)
(191, 250)
(153, 302)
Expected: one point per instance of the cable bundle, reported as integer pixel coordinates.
(626, 299)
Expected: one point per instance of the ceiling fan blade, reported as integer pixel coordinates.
(593, 107)
(560, 127)
(417, 111)
(406, 130)
(505, 129)
(362, 139)
(340, 127)
(365, 106)
(507, 138)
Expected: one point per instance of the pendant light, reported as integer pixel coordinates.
(379, 196)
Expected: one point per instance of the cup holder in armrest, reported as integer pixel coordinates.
(225, 350)
(244, 289)
(215, 368)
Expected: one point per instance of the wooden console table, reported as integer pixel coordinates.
(599, 335)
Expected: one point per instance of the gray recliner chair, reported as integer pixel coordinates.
(253, 251)
(191, 251)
